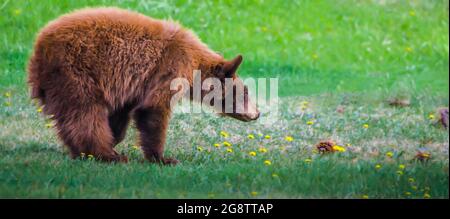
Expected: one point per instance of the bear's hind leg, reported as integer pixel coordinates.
(87, 131)
(152, 125)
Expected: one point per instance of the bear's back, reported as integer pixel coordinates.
(108, 50)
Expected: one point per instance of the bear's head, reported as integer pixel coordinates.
(234, 97)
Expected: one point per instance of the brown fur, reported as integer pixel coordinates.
(94, 69)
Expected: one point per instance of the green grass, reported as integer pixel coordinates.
(351, 54)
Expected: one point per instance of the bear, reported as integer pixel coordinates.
(95, 69)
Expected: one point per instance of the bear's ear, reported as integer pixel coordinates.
(229, 67)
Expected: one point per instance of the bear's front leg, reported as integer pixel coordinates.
(152, 124)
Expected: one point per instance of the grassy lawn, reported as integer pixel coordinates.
(346, 55)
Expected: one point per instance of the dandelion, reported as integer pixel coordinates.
(135, 147)
(267, 162)
(274, 175)
(262, 150)
(366, 126)
(304, 103)
(426, 196)
(399, 172)
(49, 125)
(217, 145)
(310, 122)
(365, 197)
(348, 144)
(338, 148)
(289, 138)
(7, 94)
(252, 153)
(378, 166)
(251, 136)
(315, 56)
(200, 148)
(267, 137)
(260, 134)
(412, 13)
(308, 160)
(431, 117)
(411, 180)
(389, 154)
(408, 193)
(408, 49)
(7, 103)
(17, 12)
(224, 134)
(227, 144)
(39, 110)
(401, 167)
(229, 150)
(253, 193)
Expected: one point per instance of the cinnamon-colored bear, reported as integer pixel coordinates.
(94, 69)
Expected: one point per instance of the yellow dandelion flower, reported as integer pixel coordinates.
(308, 160)
(49, 125)
(262, 150)
(304, 103)
(7, 103)
(267, 137)
(389, 154)
(252, 153)
(348, 145)
(315, 56)
(408, 193)
(378, 166)
(366, 126)
(7, 94)
(426, 196)
(227, 144)
(431, 116)
(274, 175)
(216, 145)
(338, 148)
(39, 110)
(289, 138)
(267, 162)
(399, 172)
(135, 147)
(412, 13)
(401, 166)
(224, 134)
(229, 150)
(17, 12)
(365, 197)
(253, 193)
(200, 148)
(310, 122)
(251, 136)
(411, 180)
(408, 49)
